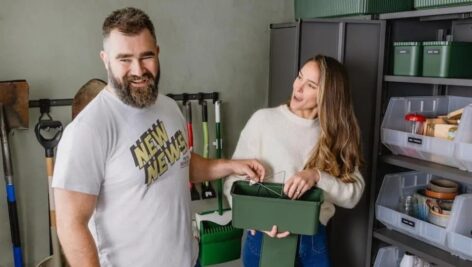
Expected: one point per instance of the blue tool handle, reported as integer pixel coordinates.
(14, 226)
(17, 254)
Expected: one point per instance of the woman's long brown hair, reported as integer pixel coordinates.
(339, 150)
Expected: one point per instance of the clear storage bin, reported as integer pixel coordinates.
(459, 230)
(388, 257)
(396, 131)
(455, 238)
(387, 211)
(463, 145)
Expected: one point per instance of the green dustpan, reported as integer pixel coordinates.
(219, 243)
(259, 207)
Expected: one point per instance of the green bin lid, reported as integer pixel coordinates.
(406, 43)
(446, 43)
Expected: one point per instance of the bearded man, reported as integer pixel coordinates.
(123, 164)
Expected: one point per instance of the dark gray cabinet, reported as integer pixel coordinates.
(359, 45)
(283, 61)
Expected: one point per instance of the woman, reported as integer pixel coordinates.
(315, 140)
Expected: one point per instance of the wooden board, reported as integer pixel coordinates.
(14, 95)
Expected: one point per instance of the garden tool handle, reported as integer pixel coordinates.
(204, 111)
(219, 152)
(48, 143)
(188, 118)
(10, 188)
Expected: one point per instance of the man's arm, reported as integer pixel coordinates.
(202, 169)
(73, 212)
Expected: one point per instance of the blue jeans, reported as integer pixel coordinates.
(312, 250)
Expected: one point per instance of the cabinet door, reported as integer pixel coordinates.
(283, 61)
(359, 45)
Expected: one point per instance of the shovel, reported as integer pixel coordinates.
(49, 143)
(83, 96)
(12, 210)
(13, 114)
(86, 94)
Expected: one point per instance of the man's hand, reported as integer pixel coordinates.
(252, 169)
(301, 182)
(202, 169)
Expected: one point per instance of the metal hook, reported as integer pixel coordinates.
(42, 115)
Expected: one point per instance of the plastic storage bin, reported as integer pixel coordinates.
(256, 207)
(218, 243)
(407, 58)
(439, 3)
(388, 257)
(459, 236)
(447, 59)
(395, 186)
(396, 132)
(305, 9)
(386, 208)
(463, 146)
(261, 207)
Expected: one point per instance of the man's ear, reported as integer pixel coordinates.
(104, 57)
(158, 49)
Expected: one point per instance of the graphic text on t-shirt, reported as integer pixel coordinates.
(154, 151)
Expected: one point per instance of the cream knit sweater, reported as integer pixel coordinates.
(282, 141)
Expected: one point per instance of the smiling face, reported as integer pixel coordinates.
(306, 91)
(133, 66)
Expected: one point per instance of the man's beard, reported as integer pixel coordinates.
(139, 97)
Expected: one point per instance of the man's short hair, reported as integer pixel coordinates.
(129, 21)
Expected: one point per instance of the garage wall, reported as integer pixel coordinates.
(206, 45)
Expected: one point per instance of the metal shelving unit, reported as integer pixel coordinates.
(428, 80)
(430, 167)
(399, 23)
(429, 253)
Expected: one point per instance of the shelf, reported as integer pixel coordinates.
(461, 10)
(427, 252)
(429, 167)
(428, 80)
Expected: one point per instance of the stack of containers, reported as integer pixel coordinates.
(444, 59)
(420, 4)
(305, 9)
(455, 238)
(396, 132)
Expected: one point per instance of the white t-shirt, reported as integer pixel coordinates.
(283, 142)
(137, 162)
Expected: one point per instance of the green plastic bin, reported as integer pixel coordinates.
(256, 207)
(219, 243)
(407, 58)
(447, 59)
(423, 4)
(305, 9)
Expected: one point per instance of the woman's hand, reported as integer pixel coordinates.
(273, 233)
(301, 182)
